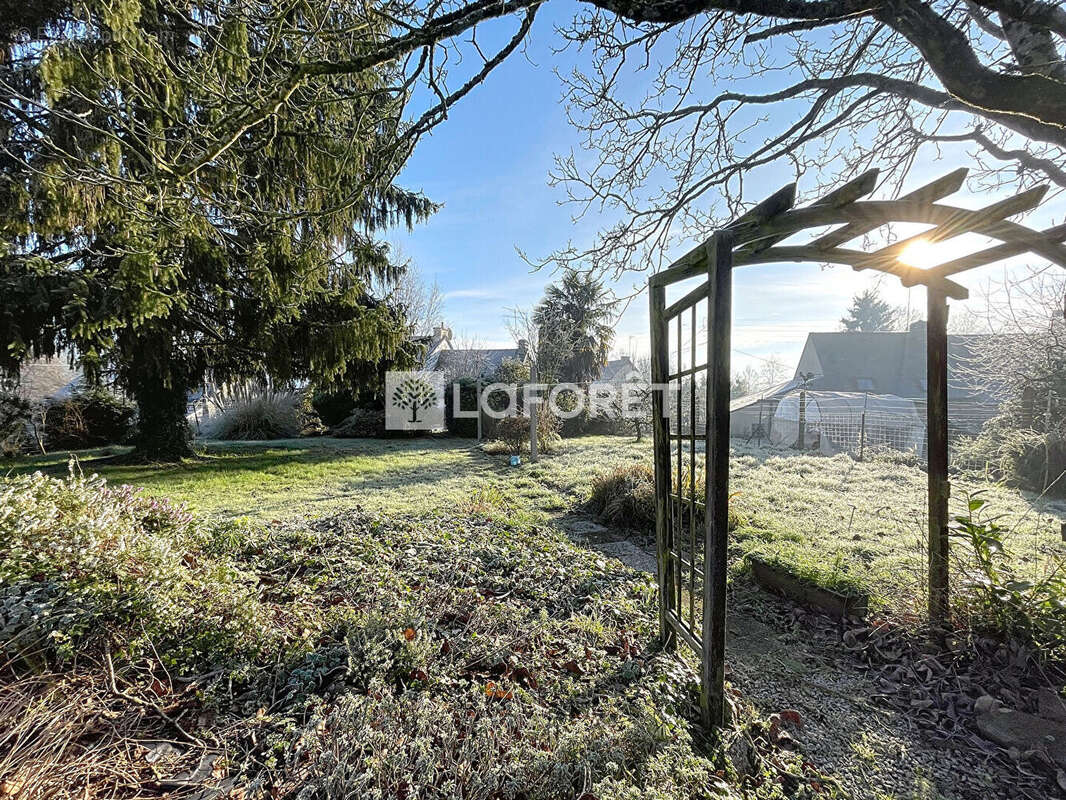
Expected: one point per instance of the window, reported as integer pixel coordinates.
(865, 384)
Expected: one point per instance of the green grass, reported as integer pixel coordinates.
(851, 523)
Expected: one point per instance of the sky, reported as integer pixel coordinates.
(488, 164)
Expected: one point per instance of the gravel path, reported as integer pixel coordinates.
(875, 752)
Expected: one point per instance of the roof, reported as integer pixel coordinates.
(617, 369)
(473, 363)
(776, 391)
(46, 379)
(889, 362)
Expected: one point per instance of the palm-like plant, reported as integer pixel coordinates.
(580, 312)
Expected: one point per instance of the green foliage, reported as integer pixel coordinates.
(468, 401)
(575, 322)
(995, 600)
(91, 417)
(264, 415)
(868, 312)
(361, 423)
(84, 565)
(1019, 456)
(512, 371)
(179, 208)
(333, 407)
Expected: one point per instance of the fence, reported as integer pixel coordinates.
(854, 423)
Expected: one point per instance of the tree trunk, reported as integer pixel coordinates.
(156, 382)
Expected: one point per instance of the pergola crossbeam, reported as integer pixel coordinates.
(851, 191)
(924, 195)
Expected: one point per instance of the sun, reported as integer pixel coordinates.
(920, 253)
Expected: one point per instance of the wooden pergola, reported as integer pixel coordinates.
(693, 561)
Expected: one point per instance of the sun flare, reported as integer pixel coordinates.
(920, 253)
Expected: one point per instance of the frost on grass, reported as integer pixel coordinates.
(360, 655)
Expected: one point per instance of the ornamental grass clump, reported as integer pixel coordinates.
(84, 566)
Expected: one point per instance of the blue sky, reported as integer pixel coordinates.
(488, 164)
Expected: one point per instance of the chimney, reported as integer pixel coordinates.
(442, 333)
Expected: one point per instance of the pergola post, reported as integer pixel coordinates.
(716, 528)
(660, 370)
(936, 343)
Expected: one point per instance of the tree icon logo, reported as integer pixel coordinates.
(415, 394)
(414, 400)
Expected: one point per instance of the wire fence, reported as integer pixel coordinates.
(854, 423)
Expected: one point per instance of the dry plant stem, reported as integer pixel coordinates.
(112, 685)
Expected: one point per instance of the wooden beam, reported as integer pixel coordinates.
(689, 300)
(848, 193)
(1014, 247)
(839, 255)
(962, 222)
(660, 368)
(930, 193)
(936, 337)
(694, 262)
(716, 523)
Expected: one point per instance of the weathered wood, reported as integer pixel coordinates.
(851, 191)
(809, 253)
(716, 526)
(694, 262)
(533, 402)
(779, 580)
(930, 193)
(963, 222)
(1020, 243)
(660, 368)
(937, 455)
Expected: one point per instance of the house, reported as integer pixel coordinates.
(891, 363)
(442, 356)
(44, 380)
(618, 370)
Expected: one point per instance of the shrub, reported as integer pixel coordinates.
(90, 417)
(1021, 457)
(361, 423)
(461, 426)
(333, 408)
(265, 415)
(514, 432)
(625, 496)
(15, 421)
(82, 563)
(996, 601)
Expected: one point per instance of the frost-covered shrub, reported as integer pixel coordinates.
(81, 561)
(15, 416)
(265, 415)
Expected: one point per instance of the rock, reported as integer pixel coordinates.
(1051, 705)
(629, 554)
(1016, 730)
(986, 703)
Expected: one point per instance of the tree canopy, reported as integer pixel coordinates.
(161, 232)
(868, 312)
(577, 315)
